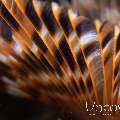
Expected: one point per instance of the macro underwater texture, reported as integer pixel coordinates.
(59, 60)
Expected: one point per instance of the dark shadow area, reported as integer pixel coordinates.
(13, 108)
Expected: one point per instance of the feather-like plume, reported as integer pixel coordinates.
(61, 53)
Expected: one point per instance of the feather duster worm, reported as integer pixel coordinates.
(52, 54)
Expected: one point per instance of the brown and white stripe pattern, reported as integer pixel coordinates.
(48, 51)
(116, 64)
(106, 36)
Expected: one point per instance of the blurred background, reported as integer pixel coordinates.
(95, 9)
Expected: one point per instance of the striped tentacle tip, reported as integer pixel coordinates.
(50, 53)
